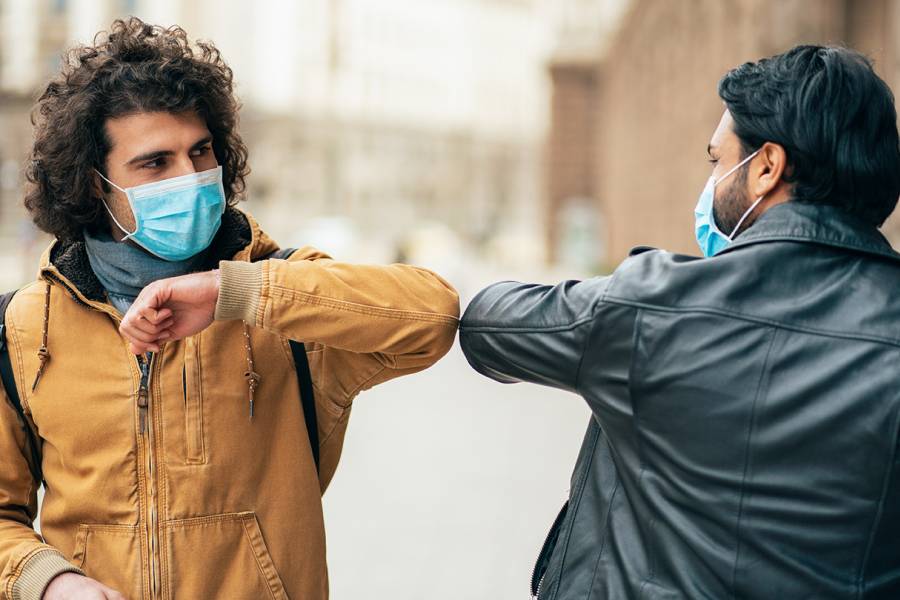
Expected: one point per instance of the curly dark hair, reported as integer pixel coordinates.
(132, 68)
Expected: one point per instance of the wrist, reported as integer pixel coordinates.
(39, 571)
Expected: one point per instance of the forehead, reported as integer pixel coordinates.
(146, 131)
(724, 138)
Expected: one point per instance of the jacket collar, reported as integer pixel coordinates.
(816, 224)
(238, 238)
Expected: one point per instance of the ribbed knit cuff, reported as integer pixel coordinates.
(240, 284)
(37, 573)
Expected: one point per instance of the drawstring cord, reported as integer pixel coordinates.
(43, 353)
(253, 378)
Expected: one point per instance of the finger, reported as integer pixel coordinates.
(146, 326)
(153, 296)
(134, 334)
(138, 348)
(141, 324)
(154, 316)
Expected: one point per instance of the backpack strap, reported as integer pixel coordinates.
(304, 378)
(12, 393)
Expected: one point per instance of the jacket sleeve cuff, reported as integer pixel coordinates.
(37, 573)
(240, 285)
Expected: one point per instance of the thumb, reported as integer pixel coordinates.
(153, 296)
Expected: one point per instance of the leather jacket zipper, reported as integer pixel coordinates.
(146, 426)
(543, 559)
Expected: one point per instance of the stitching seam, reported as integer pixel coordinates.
(278, 292)
(758, 320)
(763, 376)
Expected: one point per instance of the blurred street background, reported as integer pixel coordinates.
(487, 140)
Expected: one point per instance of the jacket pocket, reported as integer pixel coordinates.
(194, 447)
(111, 554)
(221, 556)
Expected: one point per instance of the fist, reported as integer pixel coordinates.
(72, 586)
(171, 309)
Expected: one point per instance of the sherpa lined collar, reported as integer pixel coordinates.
(71, 260)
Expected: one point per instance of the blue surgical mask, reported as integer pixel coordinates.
(711, 240)
(175, 218)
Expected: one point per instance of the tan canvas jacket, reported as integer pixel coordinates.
(162, 486)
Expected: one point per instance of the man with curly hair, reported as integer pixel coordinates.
(158, 361)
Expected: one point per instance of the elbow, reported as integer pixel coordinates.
(481, 355)
(441, 334)
(430, 336)
(472, 345)
(444, 339)
(433, 341)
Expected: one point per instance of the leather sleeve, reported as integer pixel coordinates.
(514, 332)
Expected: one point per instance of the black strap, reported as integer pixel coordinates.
(12, 393)
(304, 379)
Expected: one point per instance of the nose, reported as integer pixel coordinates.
(184, 165)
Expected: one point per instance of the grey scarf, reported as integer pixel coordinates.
(124, 270)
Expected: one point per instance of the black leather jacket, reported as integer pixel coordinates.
(745, 414)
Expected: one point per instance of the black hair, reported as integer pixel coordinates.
(834, 117)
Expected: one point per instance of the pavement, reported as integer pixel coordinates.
(447, 486)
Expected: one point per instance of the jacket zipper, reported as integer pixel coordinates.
(146, 426)
(146, 432)
(543, 559)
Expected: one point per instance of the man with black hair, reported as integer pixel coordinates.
(746, 414)
(180, 384)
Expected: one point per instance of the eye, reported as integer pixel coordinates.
(713, 161)
(153, 164)
(201, 151)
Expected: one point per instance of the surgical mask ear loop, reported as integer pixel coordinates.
(716, 182)
(106, 206)
(744, 217)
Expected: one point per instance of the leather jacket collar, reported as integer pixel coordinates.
(817, 224)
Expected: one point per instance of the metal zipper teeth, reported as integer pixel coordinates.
(544, 554)
(145, 369)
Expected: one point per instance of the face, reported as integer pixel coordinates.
(732, 195)
(152, 146)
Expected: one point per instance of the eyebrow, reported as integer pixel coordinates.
(710, 148)
(153, 154)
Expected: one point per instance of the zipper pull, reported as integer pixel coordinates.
(143, 399)
(142, 406)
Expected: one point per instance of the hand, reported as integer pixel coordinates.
(169, 310)
(72, 586)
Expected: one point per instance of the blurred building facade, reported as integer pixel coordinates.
(631, 118)
(391, 114)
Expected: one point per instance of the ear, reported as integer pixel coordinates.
(767, 171)
(99, 188)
